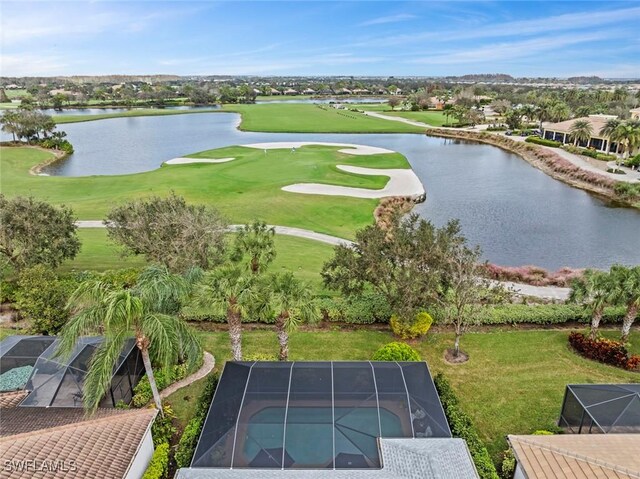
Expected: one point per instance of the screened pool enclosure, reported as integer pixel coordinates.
(601, 409)
(316, 415)
(18, 355)
(57, 381)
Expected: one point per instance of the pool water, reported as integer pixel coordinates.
(309, 436)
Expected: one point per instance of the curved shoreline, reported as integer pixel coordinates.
(534, 155)
(35, 170)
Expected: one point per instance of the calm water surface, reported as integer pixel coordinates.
(516, 213)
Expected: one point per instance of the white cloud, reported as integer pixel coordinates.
(31, 65)
(401, 17)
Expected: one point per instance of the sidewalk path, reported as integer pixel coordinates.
(545, 292)
(208, 364)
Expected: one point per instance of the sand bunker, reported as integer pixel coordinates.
(402, 182)
(186, 161)
(349, 148)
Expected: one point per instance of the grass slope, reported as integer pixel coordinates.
(300, 256)
(244, 189)
(513, 383)
(430, 117)
(309, 118)
(62, 119)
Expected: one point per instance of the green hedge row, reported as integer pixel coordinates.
(187, 444)
(159, 465)
(462, 427)
(538, 314)
(142, 391)
(543, 141)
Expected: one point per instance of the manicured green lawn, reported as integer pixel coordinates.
(302, 257)
(282, 97)
(309, 118)
(62, 119)
(244, 189)
(513, 383)
(430, 117)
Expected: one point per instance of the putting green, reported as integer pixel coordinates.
(244, 189)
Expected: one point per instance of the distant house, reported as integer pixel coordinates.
(13, 86)
(66, 443)
(344, 91)
(308, 91)
(361, 91)
(290, 91)
(61, 91)
(577, 456)
(562, 132)
(273, 91)
(635, 113)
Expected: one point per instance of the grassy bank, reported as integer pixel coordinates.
(62, 119)
(430, 117)
(309, 118)
(513, 383)
(300, 256)
(244, 189)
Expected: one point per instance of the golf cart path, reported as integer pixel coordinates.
(208, 364)
(545, 292)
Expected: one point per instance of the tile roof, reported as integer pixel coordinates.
(423, 458)
(597, 123)
(579, 456)
(101, 447)
(11, 399)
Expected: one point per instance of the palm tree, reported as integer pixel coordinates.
(230, 290)
(529, 111)
(608, 129)
(626, 290)
(581, 131)
(543, 112)
(292, 299)
(594, 291)
(145, 311)
(255, 240)
(627, 135)
(559, 111)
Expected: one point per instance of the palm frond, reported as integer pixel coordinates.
(103, 361)
(85, 323)
(164, 342)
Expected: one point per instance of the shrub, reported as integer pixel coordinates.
(462, 427)
(159, 465)
(162, 429)
(164, 377)
(533, 275)
(604, 350)
(628, 191)
(187, 444)
(542, 314)
(41, 298)
(543, 432)
(367, 308)
(419, 327)
(543, 141)
(508, 464)
(8, 291)
(633, 161)
(259, 357)
(396, 351)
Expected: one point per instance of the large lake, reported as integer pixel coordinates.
(516, 213)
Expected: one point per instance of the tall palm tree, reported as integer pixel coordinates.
(255, 240)
(230, 290)
(581, 131)
(145, 311)
(529, 111)
(543, 112)
(559, 111)
(594, 291)
(292, 301)
(626, 290)
(608, 129)
(627, 135)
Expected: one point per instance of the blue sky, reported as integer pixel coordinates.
(359, 38)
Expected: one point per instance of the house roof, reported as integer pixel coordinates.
(579, 456)
(424, 458)
(597, 123)
(10, 400)
(63, 446)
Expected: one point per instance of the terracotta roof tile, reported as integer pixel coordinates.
(98, 448)
(578, 456)
(11, 399)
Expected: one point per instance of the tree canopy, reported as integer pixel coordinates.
(34, 232)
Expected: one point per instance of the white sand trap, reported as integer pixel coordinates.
(186, 161)
(349, 148)
(402, 182)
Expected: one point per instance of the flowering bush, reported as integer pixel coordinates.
(533, 275)
(604, 350)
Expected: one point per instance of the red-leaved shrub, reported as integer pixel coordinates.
(604, 350)
(533, 275)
